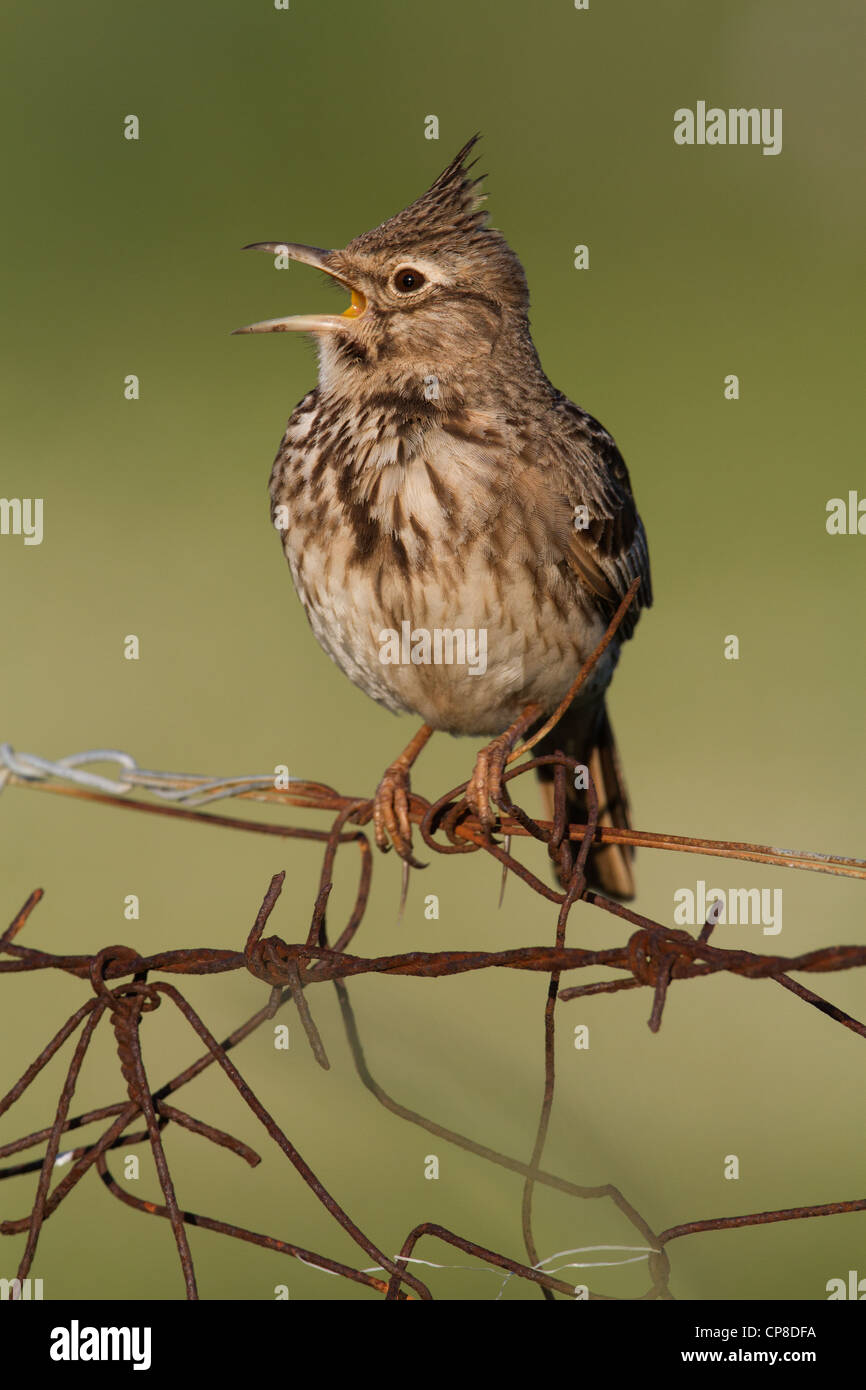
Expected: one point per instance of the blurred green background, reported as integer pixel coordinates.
(123, 257)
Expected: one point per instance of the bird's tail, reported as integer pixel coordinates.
(586, 734)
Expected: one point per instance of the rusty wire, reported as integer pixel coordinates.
(654, 957)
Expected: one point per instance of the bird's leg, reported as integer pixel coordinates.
(391, 802)
(485, 785)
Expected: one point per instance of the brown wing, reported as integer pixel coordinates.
(611, 551)
(525, 481)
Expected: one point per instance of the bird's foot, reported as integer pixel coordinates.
(391, 804)
(487, 783)
(391, 824)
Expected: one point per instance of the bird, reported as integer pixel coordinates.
(437, 496)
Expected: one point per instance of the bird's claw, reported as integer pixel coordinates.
(486, 784)
(391, 824)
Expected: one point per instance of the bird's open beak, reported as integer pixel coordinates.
(306, 323)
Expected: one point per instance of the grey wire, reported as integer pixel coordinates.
(69, 769)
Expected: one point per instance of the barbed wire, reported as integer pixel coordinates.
(67, 776)
(654, 956)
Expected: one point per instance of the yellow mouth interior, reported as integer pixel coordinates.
(357, 306)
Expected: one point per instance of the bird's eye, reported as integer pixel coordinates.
(406, 281)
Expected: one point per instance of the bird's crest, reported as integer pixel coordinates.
(449, 215)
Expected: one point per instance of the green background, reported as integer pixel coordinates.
(123, 257)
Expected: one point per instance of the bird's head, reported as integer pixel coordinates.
(435, 292)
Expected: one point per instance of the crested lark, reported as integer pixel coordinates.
(435, 482)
